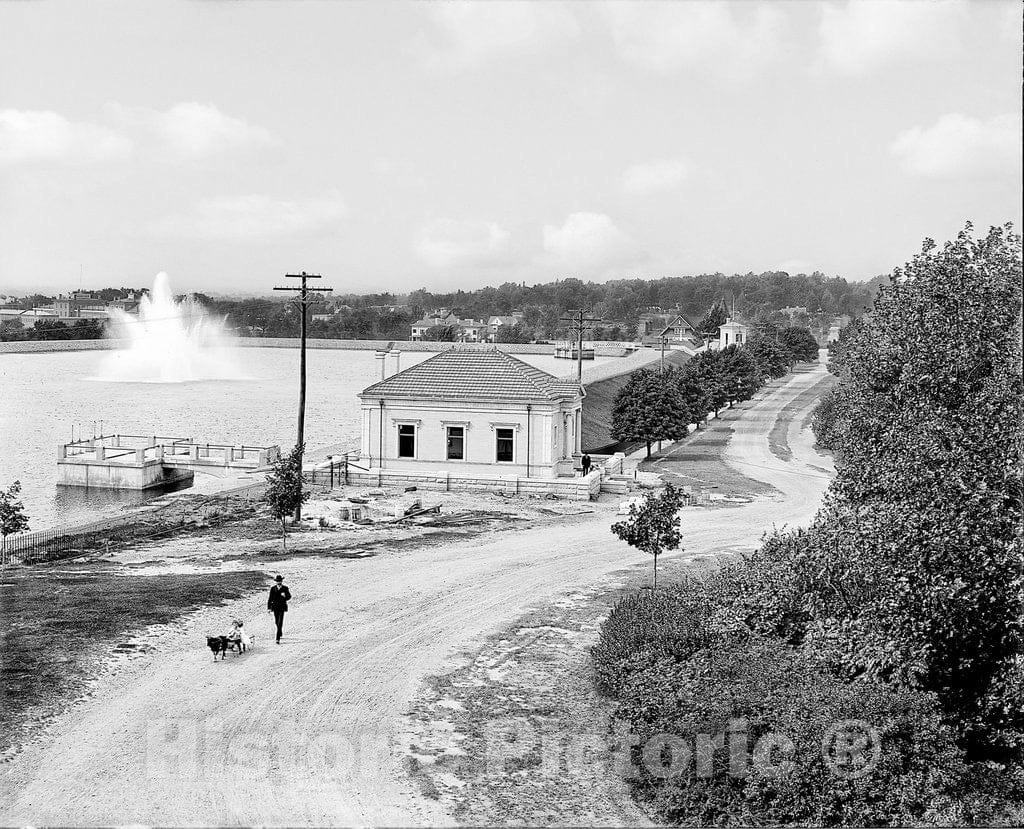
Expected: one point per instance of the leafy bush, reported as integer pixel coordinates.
(765, 711)
(756, 595)
(830, 422)
(649, 625)
(766, 592)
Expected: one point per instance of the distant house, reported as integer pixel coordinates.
(678, 333)
(468, 330)
(471, 414)
(79, 304)
(419, 328)
(794, 310)
(472, 331)
(495, 323)
(440, 317)
(390, 309)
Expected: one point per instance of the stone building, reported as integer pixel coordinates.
(471, 412)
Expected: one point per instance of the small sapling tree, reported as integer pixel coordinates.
(284, 489)
(12, 516)
(653, 526)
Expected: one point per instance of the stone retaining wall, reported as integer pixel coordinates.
(573, 489)
(41, 346)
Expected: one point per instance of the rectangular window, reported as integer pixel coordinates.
(406, 440)
(505, 440)
(456, 443)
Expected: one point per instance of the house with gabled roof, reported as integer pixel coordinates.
(497, 321)
(472, 415)
(680, 329)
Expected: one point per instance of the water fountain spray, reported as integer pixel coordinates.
(170, 341)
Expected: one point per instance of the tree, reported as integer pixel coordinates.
(512, 334)
(12, 514)
(716, 317)
(391, 324)
(917, 565)
(705, 369)
(694, 393)
(649, 408)
(442, 334)
(740, 374)
(772, 358)
(800, 343)
(653, 526)
(284, 489)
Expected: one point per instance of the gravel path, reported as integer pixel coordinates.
(307, 733)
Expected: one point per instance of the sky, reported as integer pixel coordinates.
(397, 145)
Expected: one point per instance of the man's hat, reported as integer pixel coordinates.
(278, 578)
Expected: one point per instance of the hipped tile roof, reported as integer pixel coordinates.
(474, 374)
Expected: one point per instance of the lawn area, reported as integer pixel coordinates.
(57, 624)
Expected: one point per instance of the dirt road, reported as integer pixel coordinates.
(304, 733)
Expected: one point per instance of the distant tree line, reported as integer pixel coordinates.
(619, 305)
(51, 329)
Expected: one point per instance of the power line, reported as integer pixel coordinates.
(578, 321)
(304, 299)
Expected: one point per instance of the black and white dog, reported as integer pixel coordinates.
(219, 645)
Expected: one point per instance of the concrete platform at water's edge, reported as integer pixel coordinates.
(143, 462)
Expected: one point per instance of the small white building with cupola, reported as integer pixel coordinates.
(731, 332)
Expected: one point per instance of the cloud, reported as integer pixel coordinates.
(255, 218)
(961, 145)
(668, 37)
(862, 36)
(34, 136)
(655, 177)
(191, 130)
(464, 34)
(186, 131)
(589, 243)
(446, 243)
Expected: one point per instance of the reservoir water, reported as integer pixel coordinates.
(43, 396)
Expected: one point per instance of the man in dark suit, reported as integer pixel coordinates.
(277, 603)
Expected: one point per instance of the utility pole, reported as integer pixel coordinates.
(664, 342)
(578, 322)
(304, 298)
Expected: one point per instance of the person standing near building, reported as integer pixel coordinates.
(586, 465)
(277, 603)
